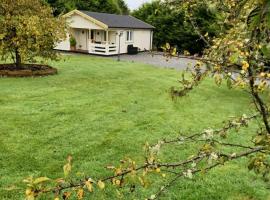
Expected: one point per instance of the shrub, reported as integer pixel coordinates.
(72, 41)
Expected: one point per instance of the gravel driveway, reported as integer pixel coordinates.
(158, 60)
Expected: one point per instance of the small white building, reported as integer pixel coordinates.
(106, 34)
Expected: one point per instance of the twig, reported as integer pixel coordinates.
(195, 171)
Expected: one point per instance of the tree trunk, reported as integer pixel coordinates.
(18, 59)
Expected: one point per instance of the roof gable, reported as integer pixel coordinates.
(118, 21)
(89, 18)
(78, 21)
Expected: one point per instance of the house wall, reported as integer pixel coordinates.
(64, 45)
(112, 37)
(141, 39)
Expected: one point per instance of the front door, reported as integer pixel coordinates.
(98, 36)
(82, 39)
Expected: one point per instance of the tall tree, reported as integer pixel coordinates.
(107, 6)
(28, 31)
(172, 28)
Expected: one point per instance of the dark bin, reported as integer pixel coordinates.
(132, 50)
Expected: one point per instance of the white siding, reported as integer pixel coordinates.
(76, 21)
(141, 39)
(64, 45)
(112, 37)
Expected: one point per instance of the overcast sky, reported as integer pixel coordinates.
(133, 4)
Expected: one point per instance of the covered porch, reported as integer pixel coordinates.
(95, 41)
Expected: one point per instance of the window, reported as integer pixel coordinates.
(129, 36)
(105, 36)
(92, 34)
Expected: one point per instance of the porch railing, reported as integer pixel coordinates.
(103, 49)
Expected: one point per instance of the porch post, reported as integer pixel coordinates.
(107, 37)
(107, 41)
(89, 40)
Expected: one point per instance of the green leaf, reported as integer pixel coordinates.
(259, 139)
(229, 83)
(254, 18)
(41, 180)
(266, 51)
(267, 14)
(2, 36)
(234, 57)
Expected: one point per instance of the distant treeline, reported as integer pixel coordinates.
(172, 27)
(107, 6)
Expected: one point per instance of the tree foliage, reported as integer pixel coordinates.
(240, 57)
(28, 31)
(106, 6)
(172, 26)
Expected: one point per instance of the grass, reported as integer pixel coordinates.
(100, 111)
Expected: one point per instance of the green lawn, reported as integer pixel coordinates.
(99, 111)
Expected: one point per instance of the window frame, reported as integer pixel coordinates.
(129, 36)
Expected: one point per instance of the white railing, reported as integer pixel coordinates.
(103, 49)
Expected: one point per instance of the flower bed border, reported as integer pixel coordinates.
(26, 70)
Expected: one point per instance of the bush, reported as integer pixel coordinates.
(72, 41)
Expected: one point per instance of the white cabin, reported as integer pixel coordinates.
(106, 34)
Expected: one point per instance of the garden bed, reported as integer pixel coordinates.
(26, 70)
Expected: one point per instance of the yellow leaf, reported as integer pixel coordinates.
(141, 181)
(174, 52)
(28, 191)
(168, 46)
(101, 185)
(67, 169)
(110, 167)
(41, 180)
(30, 195)
(186, 53)
(245, 65)
(158, 170)
(262, 74)
(66, 195)
(89, 186)
(117, 182)
(80, 194)
(118, 171)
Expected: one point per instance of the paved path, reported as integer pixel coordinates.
(158, 60)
